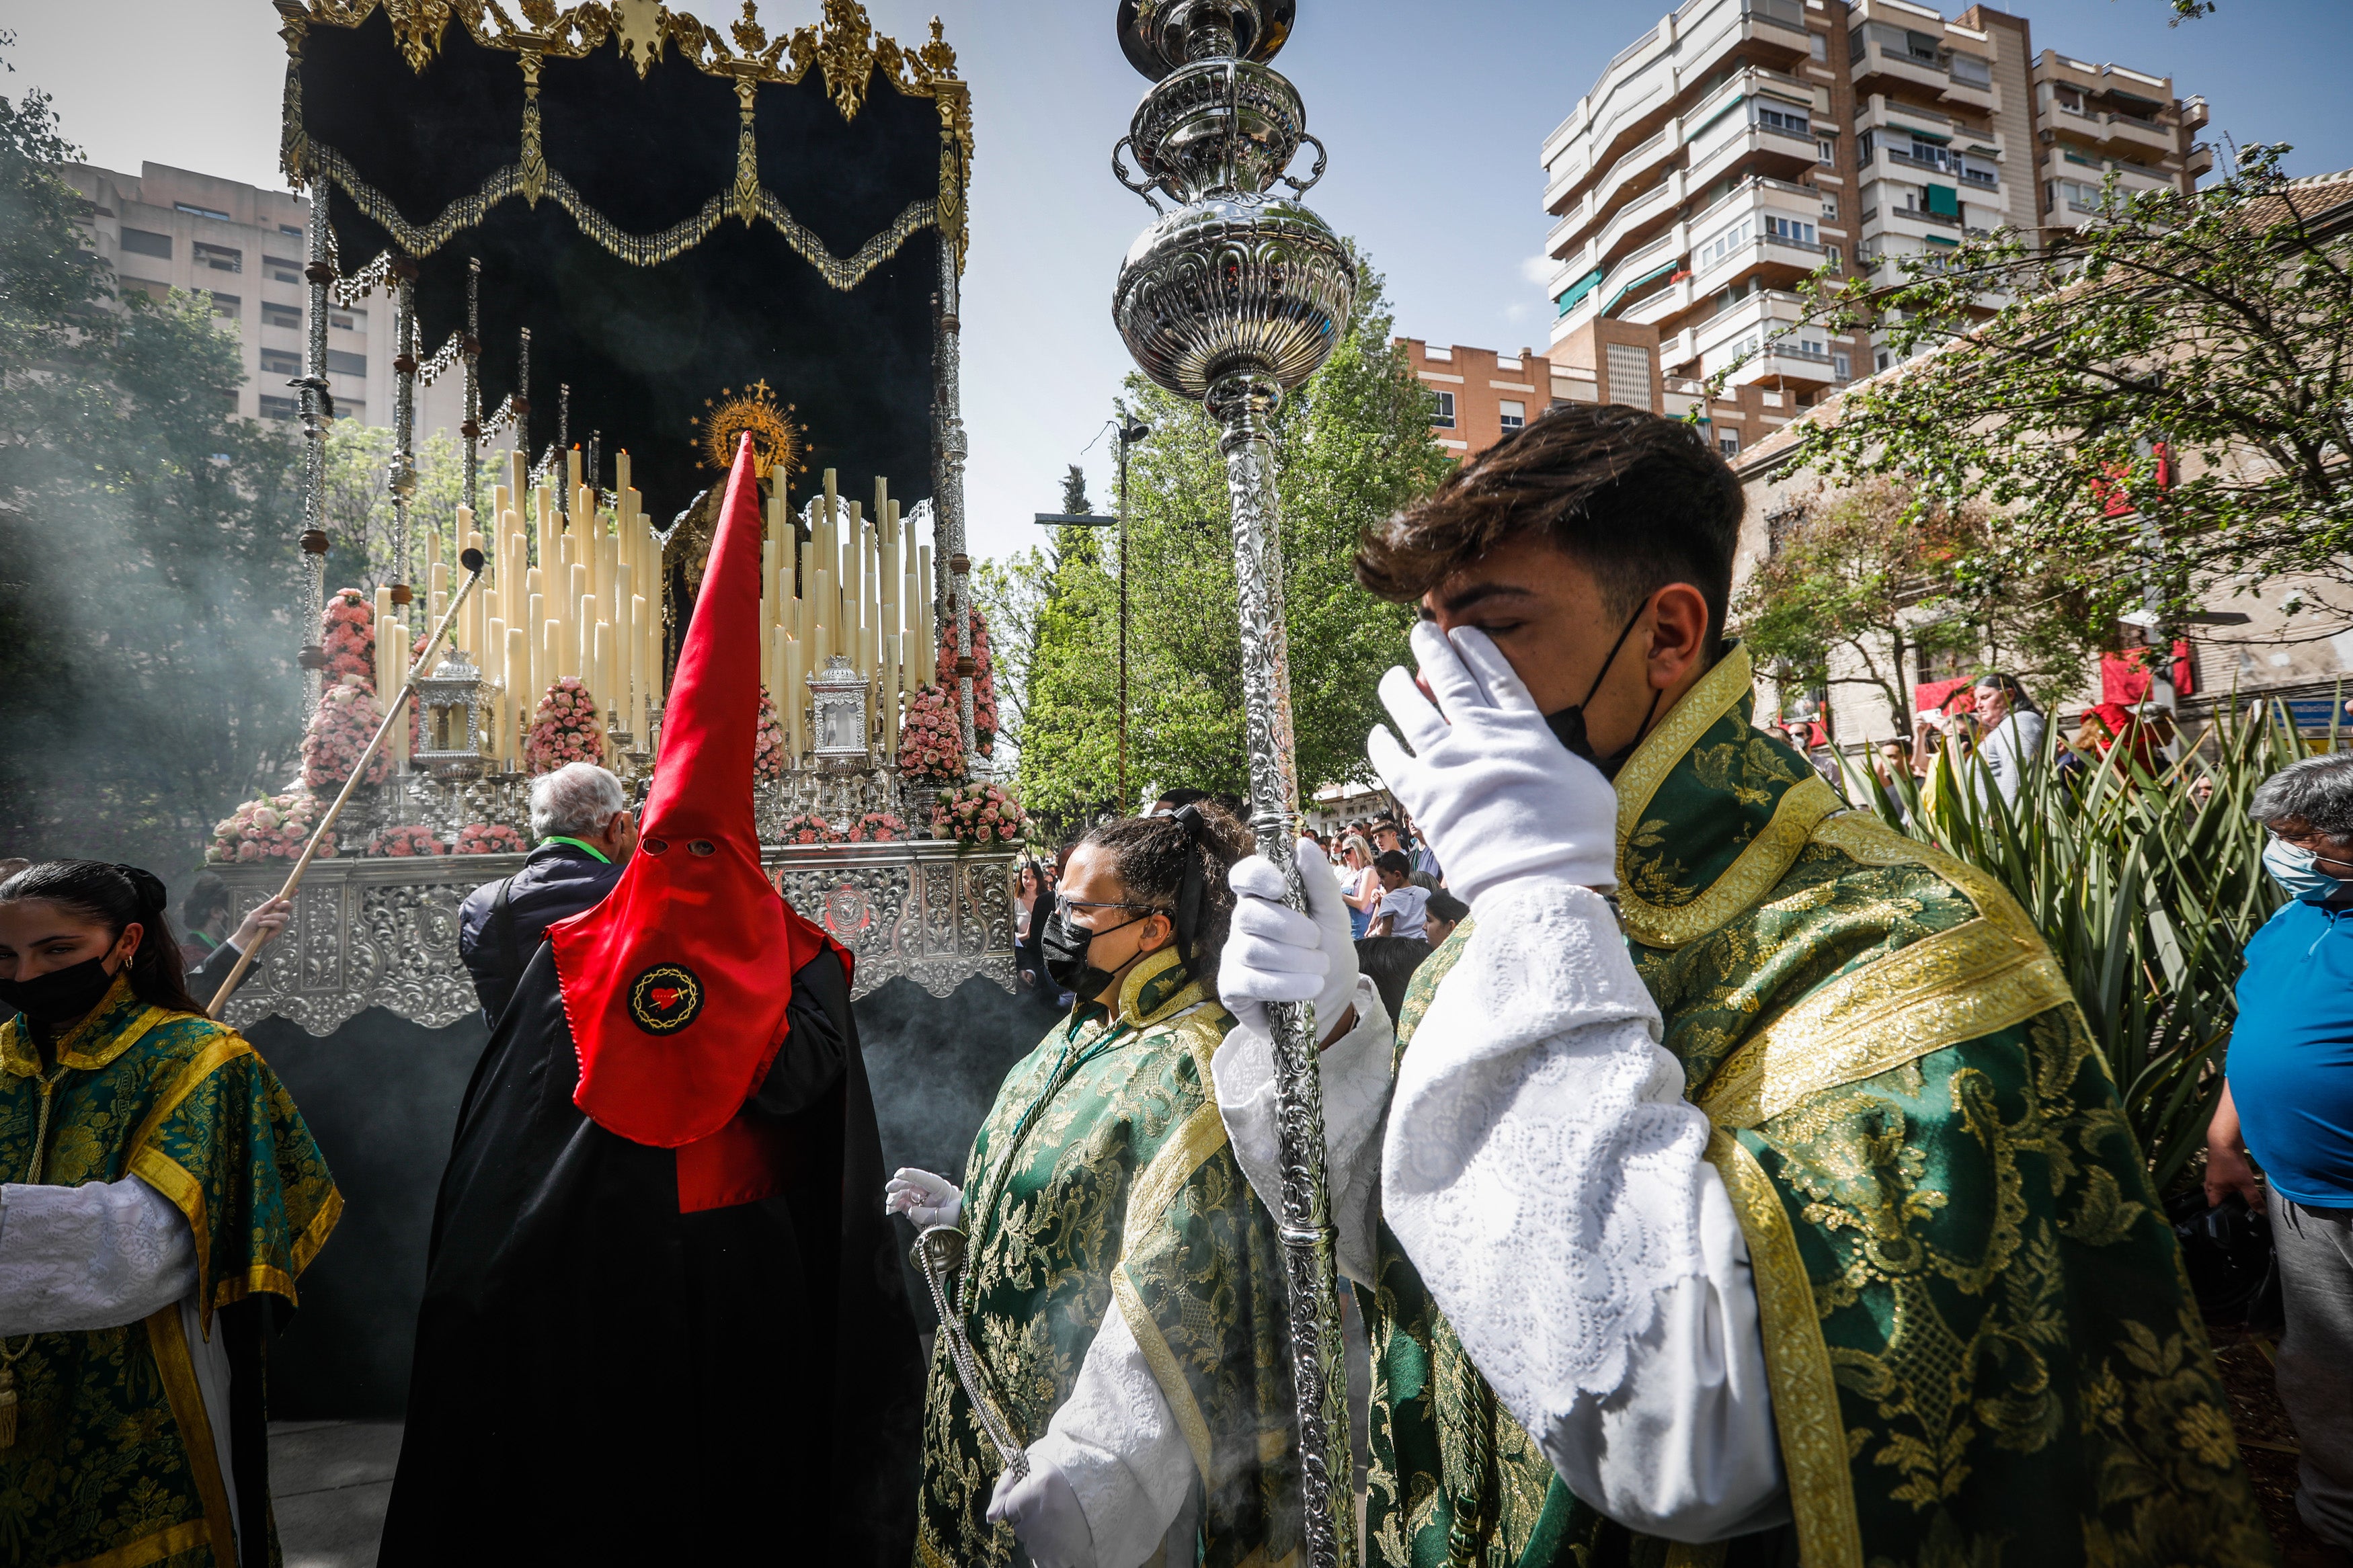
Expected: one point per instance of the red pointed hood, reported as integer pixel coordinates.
(675, 985)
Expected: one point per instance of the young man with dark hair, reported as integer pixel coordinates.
(1788, 1203)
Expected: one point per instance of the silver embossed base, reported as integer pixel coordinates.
(383, 932)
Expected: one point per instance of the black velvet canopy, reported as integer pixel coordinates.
(721, 216)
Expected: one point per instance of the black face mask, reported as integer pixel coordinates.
(1568, 723)
(1066, 955)
(59, 995)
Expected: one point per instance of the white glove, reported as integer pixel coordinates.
(1274, 953)
(1491, 787)
(1045, 1515)
(927, 1199)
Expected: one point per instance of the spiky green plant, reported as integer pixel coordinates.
(2147, 887)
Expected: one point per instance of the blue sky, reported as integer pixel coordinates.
(1434, 116)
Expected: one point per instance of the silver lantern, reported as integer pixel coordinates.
(1234, 298)
(449, 704)
(837, 713)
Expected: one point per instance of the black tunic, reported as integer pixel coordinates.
(600, 1378)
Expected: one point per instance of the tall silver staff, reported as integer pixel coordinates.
(1235, 298)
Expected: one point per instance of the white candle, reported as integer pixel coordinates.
(601, 651)
(637, 696)
(551, 655)
(797, 696)
(584, 636)
(400, 637)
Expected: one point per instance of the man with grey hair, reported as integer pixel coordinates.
(585, 831)
(2287, 1101)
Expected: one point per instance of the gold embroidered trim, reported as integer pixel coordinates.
(185, 1536)
(1760, 865)
(170, 1342)
(1166, 1371)
(844, 47)
(1959, 984)
(1797, 1364)
(1749, 879)
(17, 1054)
(1202, 1134)
(166, 1176)
(637, 249)
(1717, 693)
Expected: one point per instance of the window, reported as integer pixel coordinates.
(139, 242)
(282, 271)
(1921, 47)
(1865, 144)
(2084, 199)
(281, 315)
(1834, 257)
(1884, 359)
(1515, 415)
(195, 211)
(1842, 366)
(1629, 367)
(1790, 228)
(1826, 150)
(1829, 206)
(1729, 443)
(1971, 71)
(228, 305)
(1443, 404)
(354, 410)
(341, 363)
(291, 228)
(280, 407)
(220, 258)
(349, 320)
(281, 362)
(1724, 244)
(1794, 120)
(1820, 45)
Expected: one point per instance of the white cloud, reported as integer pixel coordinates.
(1537, 269)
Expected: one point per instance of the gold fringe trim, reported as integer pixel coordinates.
(1797, 1364)
(170, 1341)
(1202, 1134)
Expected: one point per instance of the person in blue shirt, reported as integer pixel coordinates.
(2287, 1109)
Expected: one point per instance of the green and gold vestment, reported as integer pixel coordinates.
(1979, 1341)
(1102, 1178)
(114, 1464)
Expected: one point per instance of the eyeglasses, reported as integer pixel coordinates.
(1064, 905)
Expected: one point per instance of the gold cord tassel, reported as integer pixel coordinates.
(7, 1407)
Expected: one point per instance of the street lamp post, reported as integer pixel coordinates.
(1131, 431)
(1233, 299)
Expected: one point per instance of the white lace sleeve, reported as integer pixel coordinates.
(1355, 1074)
(1545, 1177)
(93, 1256)
(1117, 1443)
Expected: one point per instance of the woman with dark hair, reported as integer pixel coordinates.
(1123, 1292)
(162, 1188)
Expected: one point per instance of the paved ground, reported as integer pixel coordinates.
(329, 1480)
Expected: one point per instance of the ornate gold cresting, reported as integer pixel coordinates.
(843, 45)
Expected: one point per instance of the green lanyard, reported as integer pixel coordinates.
(1065, 1070)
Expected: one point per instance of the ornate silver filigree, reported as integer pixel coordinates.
(383, 932)
(1234, 298)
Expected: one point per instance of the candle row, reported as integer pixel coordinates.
(853, 587)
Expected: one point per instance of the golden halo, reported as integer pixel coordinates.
(775, 434)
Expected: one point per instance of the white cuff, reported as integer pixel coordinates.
(1355, 1069)
(94, 1256)
(1117, 1443)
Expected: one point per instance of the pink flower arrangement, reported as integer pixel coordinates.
(810, 828)
(340, 730)
(878, 827)
(269, 827)
(407, 841)
(930, 737)
(978, 813)
(347, 635)
(768, 741)
(565, 729)
(488, 838)
(984, 681)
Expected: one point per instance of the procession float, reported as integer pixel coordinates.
(636, 239)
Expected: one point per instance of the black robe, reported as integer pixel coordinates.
(600, 1378)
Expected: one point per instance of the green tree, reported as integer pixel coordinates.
(1858, 588)
(147, 617)
(1352, 446)
(361, 524)
(2206, 333)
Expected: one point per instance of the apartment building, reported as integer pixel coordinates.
(1741, 145)
(243, 247)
